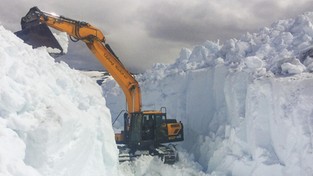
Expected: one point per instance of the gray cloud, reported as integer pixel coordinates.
(192, 22)
(146, 32)
(213, 20)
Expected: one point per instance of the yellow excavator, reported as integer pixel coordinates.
(145, 132)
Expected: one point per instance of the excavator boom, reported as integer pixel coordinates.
(36, 20)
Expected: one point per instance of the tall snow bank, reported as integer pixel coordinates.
(53, 120)
(246, 104)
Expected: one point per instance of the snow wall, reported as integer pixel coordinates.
(246, 105)
(53, 120)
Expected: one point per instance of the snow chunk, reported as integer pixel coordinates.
(253, 63)
(289, 68)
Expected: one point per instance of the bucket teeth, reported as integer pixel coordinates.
(40, 35)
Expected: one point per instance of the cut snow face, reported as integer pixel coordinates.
(246, 104)
(53, 120)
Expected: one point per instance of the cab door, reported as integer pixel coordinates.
(148, 127)
(161, 128)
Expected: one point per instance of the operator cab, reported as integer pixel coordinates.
(154, 127)
(149, 129)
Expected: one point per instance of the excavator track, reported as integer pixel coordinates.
(167, 154)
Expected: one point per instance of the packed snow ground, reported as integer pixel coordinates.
(246, 104)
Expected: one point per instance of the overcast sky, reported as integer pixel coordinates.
(143, 32)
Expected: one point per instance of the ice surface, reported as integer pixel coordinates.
(246, 104)
(53, 120)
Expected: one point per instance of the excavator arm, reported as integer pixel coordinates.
(144, 131)
(95, 41)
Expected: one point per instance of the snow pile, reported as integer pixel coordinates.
(53, 120)
(246, 104)
(280, 50)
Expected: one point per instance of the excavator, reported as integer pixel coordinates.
(147, 132)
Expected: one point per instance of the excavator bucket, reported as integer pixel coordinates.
(40, 35)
